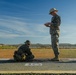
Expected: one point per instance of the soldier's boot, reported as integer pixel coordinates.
(29, 58)
(55, 58)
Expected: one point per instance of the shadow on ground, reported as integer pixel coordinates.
(39, 60)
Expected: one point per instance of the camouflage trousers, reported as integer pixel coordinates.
(22, 56)
(55, 42)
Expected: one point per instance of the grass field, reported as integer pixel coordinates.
(40, 53)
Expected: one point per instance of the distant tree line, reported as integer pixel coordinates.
(61, 46)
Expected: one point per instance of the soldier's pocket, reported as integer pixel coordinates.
(56, 32)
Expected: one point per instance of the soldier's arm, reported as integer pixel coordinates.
(47, 24)
(29, 51)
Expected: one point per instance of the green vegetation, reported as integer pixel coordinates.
(8, 47)
(68, 53)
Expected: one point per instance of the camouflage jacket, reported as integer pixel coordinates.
(55, 23)
(25, 49)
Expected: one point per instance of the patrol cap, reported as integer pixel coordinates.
(53, 9)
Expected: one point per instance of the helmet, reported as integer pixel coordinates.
(27, 42)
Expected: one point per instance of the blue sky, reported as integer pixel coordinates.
(24, 19)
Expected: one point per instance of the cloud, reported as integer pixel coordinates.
(17, 9)
(12, 27)
(8, 35)
(14, 24)
(41, 28)
(15, 5)
(68, 33)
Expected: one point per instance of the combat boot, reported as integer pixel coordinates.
(55, 58)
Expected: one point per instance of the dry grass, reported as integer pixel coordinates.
(40, 53)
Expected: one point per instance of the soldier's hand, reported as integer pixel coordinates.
(47, 24)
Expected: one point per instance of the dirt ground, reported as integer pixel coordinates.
(40, 53)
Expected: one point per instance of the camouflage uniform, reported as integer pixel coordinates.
(54, 31)
(23, 50)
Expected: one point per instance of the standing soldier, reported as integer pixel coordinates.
(54, 31)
